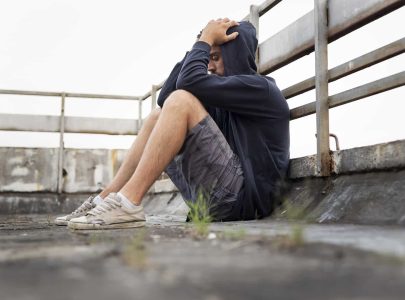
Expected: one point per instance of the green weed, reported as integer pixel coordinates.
(135, 252)
(234, 235)
(296, 216)
(199, 216)
(293, 212)
(95, 238)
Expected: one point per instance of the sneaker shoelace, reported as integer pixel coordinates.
(107, 205)
(86, 205)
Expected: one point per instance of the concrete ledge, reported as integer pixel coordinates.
(365, 198)
(361, 198)
(364, 159)
(378, 157)
(302, 167)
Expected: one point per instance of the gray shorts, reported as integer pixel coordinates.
(207, 165)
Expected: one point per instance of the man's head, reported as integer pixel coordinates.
(235, 56)
(216, 64)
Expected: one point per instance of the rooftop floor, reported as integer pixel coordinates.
(165, 260)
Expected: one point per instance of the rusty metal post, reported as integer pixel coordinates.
(254, 19)
(321, 85)
(61, 144)
(154, 92)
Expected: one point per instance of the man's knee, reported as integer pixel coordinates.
(181, 100)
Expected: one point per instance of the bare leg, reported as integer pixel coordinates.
(133, 156)
(181, 112)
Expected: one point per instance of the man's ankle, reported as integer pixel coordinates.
(125, 201)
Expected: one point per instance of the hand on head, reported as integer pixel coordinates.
(215, 32)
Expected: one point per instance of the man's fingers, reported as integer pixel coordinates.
(215, 31)
(232, 36)
(231, 23)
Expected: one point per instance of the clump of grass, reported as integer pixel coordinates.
(293, 212)
(296, 236)
(234, 235)
(199, 216)
(135, 252)
(290, 241)
(96, 237)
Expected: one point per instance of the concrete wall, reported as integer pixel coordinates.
(35, 170)
(367, 185)
(28, 170)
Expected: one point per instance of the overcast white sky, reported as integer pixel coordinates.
(125, 46)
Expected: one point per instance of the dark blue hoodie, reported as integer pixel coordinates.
(249, 109)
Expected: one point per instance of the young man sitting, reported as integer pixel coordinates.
(222, 130)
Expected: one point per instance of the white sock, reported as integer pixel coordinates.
(98, 200)
(125, 201)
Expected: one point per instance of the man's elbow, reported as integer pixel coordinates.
(183, 84)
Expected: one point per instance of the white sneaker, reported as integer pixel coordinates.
(110, 214)
(80, 211)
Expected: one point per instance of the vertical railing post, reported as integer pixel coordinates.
(321, 85)
(154, 92)
(61, 144)
(140, 113)
(254, 19)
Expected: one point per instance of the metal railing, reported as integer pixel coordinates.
(330, 20)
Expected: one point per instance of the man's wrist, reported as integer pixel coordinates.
(206, 40)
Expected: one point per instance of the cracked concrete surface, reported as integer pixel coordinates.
(39, 260)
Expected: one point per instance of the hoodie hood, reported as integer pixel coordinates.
(239, 54)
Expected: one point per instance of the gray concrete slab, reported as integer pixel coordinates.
(39, 260)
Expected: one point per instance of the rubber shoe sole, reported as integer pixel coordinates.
(86, 226)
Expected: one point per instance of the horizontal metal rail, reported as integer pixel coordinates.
(41, 123)
(357, 93)
(297, 39)
(146, 96)
(70, 95)
(267, 5)
(350, 67)
(264, 7)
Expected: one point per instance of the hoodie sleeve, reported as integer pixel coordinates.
(170, 83)
(251, 95)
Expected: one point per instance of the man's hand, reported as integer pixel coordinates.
(215, 32)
